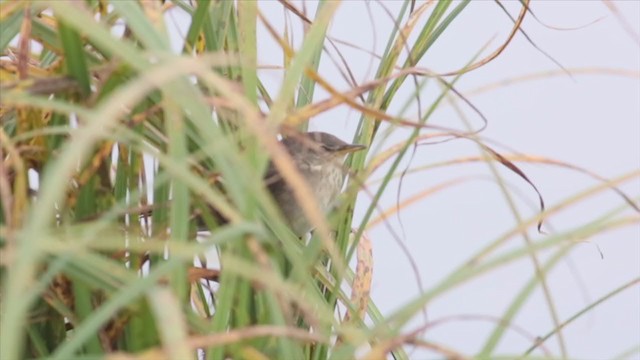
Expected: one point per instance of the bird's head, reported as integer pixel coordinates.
(321, 143)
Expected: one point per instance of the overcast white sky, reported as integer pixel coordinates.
(592, 121)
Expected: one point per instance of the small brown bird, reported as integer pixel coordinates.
(319, 157)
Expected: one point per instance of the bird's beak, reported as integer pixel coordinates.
(350, 148)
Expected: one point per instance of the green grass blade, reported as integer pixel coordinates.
(10, 26)
(75, 57)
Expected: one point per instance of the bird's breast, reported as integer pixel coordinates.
(326, 183)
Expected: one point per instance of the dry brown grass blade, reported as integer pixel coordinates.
(60, 289)
(229, 337)
(623, 21)
(626, 73)
(7, 8)
(9, 69)
(492, 319)
(499, 50)
(511, 166)
(44, 86)
(154, 11)
(497, 156)
(562, 28)
(98, 160)
(299, 115)
(333, 40)
(24, 44)
(546, 161)
(450, 354)
(198, 305)
(113, 330)
(524, 33)
(6, 194)
(345, 71)
(15, 176)
(414, 199)
(361, 288)
(405, 32)
(556, 209)
(382, 157)
(289, 6)
(340, 98)
(382, 116)
(198, 273)
(382, 349)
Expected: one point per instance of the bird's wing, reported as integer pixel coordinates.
(272, 175)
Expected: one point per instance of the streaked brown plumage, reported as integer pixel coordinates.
(319, 157)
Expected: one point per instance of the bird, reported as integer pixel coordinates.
(319, 157)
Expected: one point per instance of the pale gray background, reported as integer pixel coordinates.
(592, 121)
